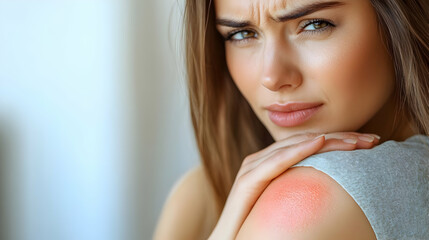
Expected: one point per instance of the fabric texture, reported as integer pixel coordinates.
(389, 182)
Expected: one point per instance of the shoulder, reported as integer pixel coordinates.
(191, 198)
(304, 203)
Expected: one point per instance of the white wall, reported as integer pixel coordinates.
(94, 117)
(168, 143)
(63, 107)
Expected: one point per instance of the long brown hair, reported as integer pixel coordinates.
(225, 126)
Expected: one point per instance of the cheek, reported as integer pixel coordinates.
(242, 66)
(355, 74)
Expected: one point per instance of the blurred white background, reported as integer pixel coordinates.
(94, 118)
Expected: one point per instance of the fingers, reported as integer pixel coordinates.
(287, 157)
(350, 142)
(252, 161)
(367, 140)
(337, 141)
(281, 144)
(280, 160)
(308, 136)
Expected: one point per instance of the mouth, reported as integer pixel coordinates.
(294, 114)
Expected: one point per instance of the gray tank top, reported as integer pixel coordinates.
(389, 182)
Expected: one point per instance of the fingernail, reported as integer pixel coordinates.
(366, 138)
(375, 135)
(319, 136)
(352, 141)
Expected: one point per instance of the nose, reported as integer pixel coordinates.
(280, 71)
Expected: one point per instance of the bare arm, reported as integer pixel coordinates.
(189, 212)
(304, 203)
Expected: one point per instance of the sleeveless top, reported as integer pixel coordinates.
(390, 183)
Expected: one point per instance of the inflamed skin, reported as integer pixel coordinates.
(299, 199)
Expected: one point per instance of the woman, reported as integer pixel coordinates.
(266, 77)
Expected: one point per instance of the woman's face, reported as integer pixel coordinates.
(330, 53)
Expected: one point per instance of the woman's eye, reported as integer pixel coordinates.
(317, 25)
(241, 35)
(310, 27)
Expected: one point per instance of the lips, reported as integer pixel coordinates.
(292, 114)
(290, 107)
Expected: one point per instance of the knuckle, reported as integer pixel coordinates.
(247, 159)
(243, 180)
(276, 145)
(241, 171)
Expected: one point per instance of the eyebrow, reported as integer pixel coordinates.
(300, 12)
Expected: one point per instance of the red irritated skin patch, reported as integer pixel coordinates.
(292, 202)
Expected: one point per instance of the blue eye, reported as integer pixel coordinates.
(312, 26)
(241, 35)
(317, 25)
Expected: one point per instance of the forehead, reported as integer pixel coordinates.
(258, 10)
(246, 7)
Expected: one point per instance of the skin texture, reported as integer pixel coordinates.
(346, 67)
(293, 202)
(304, 203)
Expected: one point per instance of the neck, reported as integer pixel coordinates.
(388, 125)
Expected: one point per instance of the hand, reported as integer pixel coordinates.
(258, 169)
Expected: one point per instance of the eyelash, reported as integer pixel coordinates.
(311, 32)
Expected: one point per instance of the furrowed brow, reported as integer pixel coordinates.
(232, 23)
(308, 9)
(297, 13)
